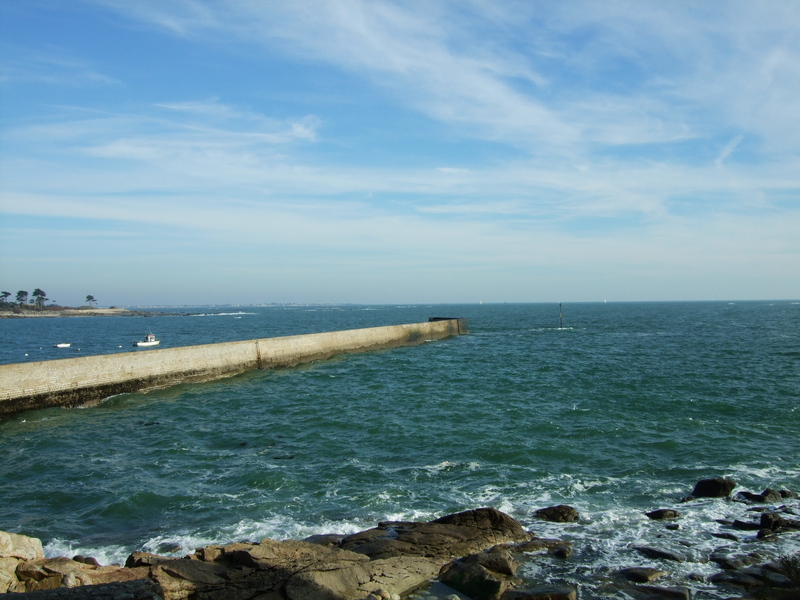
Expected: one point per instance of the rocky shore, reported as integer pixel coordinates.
(472, 555)
(60, 311)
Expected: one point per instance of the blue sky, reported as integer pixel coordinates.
(188, 151)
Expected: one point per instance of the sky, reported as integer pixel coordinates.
(415, 151)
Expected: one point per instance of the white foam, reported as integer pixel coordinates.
(225, 314)
(105, 555)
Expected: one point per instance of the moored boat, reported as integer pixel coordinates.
(62, 345)
(149, 340)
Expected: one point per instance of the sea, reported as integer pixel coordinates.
(615, 409)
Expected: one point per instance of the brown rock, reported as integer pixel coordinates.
(486, 519)
(8, 574)
(31, 570)
(544, 592)
(774, 521)
(732, 562)
(662, 514)
(726, 536)
(653, 552)
(559, 548)
(330, 539)
(396, 575)
(482, 576)
(141, 589)
(745, 525)
(558, 514)
(768, 496)
(13, 545)
(641, 574)
(717, 487)
(652, 592)
(195, 571)
(386, 561)
(111, 574)
(737, 579)
(455, 535)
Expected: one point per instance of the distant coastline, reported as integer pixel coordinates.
(26, 312)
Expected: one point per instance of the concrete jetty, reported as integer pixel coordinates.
(87, 380)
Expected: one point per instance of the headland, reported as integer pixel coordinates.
(32, 312)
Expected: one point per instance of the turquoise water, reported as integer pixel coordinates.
(619, 412)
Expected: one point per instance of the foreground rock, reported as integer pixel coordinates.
(476, 553)
(383, 562)
(482, 576)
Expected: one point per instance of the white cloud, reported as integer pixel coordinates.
(621, 137)
(569, 74)
(728, 149)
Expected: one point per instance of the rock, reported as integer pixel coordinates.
(653, 552)
(455, 535)
(8, 575)
(382, 562)
(774, 521)
(558, 514)
(726, 536)
(771, 496)
(544, 592)
(140, 589)
(486, 519)
(768, 576)
(641, 574)
(651, 592)
(46, 573)
(746, 525)
(766, 534)
(330, 540)
(713, 488)
(13, 545)
(114, 574)
(558, 548)
(395, 575)
(736, 579)
(662, 514)
(483, 576)
(767, 496)
(732, 562)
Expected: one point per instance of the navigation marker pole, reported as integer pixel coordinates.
(560, 317)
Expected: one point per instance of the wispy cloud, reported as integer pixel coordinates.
(53, 66)
(728, 149)
(621, 138)
(447, 62)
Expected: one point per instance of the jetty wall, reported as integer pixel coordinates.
(72, 382)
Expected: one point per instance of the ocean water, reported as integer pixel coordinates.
(619, 412)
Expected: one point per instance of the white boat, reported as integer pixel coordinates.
(64, 345)
(149, 340)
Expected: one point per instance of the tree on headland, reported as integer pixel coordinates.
(39, 297)
(4, 296)
(22, 297)
(90, 300)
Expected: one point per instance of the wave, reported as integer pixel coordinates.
(222, 314)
